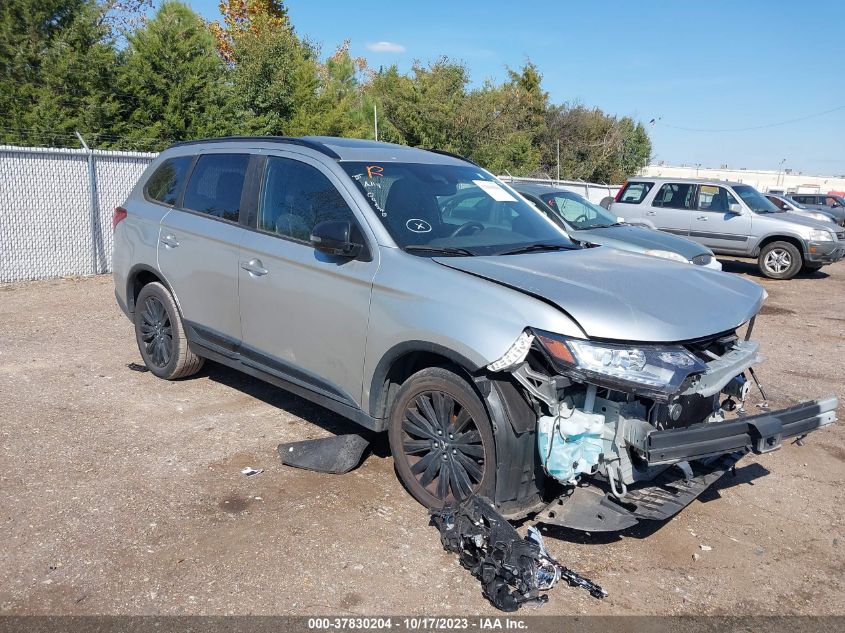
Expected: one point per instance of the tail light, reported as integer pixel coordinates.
(619, 193)
(119, 214)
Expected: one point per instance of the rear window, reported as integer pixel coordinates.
(166, 182)
(635, 192)
(675, 196)
(216, 185)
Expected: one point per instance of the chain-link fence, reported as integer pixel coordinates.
(592, 191)
(56, 207)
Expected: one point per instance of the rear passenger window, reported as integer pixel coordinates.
(216, 185)
(674, 196)
(166, 182)
(635, 192)
(296, 198)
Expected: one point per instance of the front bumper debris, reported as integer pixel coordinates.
(710, 450)
(592, 507)
(758, 433)
(513, 570)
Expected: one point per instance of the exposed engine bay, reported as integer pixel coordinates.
(632, 430)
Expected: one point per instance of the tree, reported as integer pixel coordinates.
(594, 146)
(171, 81)
(247, 16)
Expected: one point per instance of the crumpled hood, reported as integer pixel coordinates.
(625, 296)
(625, 236)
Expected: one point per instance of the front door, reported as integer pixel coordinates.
(719, 221)
(304, 313)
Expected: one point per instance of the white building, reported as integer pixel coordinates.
(784, 180)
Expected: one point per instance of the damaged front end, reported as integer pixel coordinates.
(637, 431)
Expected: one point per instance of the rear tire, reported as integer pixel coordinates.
(780, 260)
(441, 439)
(161, 336)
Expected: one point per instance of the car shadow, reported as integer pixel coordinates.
(277, 397)
(749, 267)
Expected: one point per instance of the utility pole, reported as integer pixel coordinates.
(780, 168)
(558, 159)
(375, 119)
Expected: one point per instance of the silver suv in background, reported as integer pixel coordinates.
(589, 223)
(732, 218)
(498, 355)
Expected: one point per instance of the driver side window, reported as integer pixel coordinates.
(296, 197)
(572, 210)
(716, 199)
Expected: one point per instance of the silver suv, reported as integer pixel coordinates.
(732, 219)
(498, 355)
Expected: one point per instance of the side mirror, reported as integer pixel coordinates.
(734, 208)
(334, 237)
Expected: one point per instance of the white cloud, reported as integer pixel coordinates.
(385, 47)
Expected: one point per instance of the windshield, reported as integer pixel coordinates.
(755, 200)
(452, 209)
(577, 211)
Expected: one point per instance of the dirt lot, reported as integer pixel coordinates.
(123, 494)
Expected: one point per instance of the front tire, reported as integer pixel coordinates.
(161, 336)
(441, 439)
(780, 260)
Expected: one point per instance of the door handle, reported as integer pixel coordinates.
(703, 218)
(170, 241)
(651, 212)
(254, 268)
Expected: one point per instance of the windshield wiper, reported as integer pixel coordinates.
(439, 250)
(538, 247)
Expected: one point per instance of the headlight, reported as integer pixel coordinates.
(668, 255)
(820, 235)
(654, 370)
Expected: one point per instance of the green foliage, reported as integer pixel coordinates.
(96, 66)
(170, 81)
(56, 70)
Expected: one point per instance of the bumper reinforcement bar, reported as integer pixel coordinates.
(758, 433)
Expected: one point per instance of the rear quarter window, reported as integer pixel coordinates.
(635, 192)
(166, 182)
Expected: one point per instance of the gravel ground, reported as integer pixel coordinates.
(122, 493)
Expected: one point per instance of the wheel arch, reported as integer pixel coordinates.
(404, 360)
(139, 276)
(797, 242)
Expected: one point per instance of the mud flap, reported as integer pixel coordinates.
(337, 454)
(593, 509)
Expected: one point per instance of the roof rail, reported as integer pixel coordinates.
(453, 155)
(289, 140)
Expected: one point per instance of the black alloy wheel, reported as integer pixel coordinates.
(441, 439)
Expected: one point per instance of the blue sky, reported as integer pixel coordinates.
(707, 65)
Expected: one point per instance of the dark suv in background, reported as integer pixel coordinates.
(829, 203)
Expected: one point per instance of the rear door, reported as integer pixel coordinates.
(629, 203)
(198, 247)
(715, 225)
(672, 207)
(304, 313)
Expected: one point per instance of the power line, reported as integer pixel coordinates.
(658, 121)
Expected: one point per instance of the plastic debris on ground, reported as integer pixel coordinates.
(249, 471)
(513, 570)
